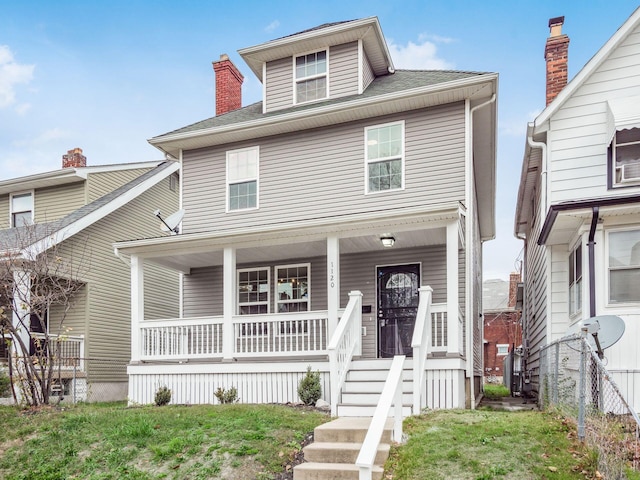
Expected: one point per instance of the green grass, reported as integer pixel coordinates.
(110, 441)
(485, 444)
(494, 391)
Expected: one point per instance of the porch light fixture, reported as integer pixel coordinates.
(387, 240)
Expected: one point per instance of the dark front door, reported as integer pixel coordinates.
(397, 308)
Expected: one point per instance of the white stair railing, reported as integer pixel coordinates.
(420, 345)
(391, 395)
(344, 344)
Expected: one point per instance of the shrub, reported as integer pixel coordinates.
(309, 388)
(5, 384)
(227, 396)
(163, 396)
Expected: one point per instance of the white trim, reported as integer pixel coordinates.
(101, 212)
(297, 80)
(229, 302)
(264, 87)
(256, 179)
(452, 287)
(137, 305)
(368, 161)
(333, 283)
(292, 301)
(248, 304)
(32, 193)
(502, 345)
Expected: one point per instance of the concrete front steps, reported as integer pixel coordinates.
(335, 449)
(363, 387)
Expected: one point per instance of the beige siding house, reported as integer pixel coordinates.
(578, 205)
(84, 209)
(335, 224)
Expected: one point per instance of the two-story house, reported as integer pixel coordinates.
(82, 210)
(578, 204)
(314, 219)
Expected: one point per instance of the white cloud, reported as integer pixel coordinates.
(272, 26)
(46, 137)
(435, 38)
(422, 56)
(23, 108)
(11, 74)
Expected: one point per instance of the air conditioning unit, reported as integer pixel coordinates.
(630, 172)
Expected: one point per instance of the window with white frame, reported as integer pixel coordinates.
(384, 157)
(253, 290)
(242, 178)
(21, 209)
(625, 157)
(293, 288)
(624, 266)
(502, 349)
(575, 280)
(311, 76)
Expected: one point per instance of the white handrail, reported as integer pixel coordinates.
(420, 343)
(391, 395)
(344, 344)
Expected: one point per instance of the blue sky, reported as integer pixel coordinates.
(106, 76)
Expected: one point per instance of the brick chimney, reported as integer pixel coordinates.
(228, 85)
(556, 54)
(74, 159)
(514, 280)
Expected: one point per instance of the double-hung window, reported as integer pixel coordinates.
(502, 349)
(384, 157)
(242, 178)
(293, 288)
(21, 209)
(625, 153)
(575, 280)
(311, 76)
(253, 290)
(624, 266)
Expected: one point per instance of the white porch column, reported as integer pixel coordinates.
(21, 302)
(229, 302)
(453, 333)
(137, 305)
(333, 283)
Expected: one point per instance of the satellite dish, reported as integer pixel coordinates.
(170, 224)
(603, 330)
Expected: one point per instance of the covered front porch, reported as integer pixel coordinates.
(260, 305)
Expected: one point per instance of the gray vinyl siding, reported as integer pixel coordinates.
(578, 142)
(5, 221)
(343, 70)
(101, 183)
(56, 202)
(203, 288)
(367, 73)
(322, 172)
(279, 84)
(75, 322)
(108, 330)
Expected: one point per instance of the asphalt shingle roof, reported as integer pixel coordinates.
(12, 238)
(401, 80)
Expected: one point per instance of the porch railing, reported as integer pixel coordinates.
(420, 344)
(293, 334)
(344, 344)
(439, 327)
(68, 350)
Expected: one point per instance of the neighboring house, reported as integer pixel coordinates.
(83, 210)
(350, 176)
(502, 326)
(578, 207)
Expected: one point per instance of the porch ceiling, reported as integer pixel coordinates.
(291, 241)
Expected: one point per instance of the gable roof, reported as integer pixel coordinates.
(367, 30)
(45, 235)
(532, 162)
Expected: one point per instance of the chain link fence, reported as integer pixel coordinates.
(83, 380)
(574, 381)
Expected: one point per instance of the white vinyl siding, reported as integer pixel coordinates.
(321, 170)
(578, 140)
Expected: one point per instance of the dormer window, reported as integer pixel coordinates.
(311, 77)
(626, 157)
(21, 209)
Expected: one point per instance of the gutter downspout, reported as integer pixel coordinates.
(592, 262)
(543, 173)
(469, 229)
